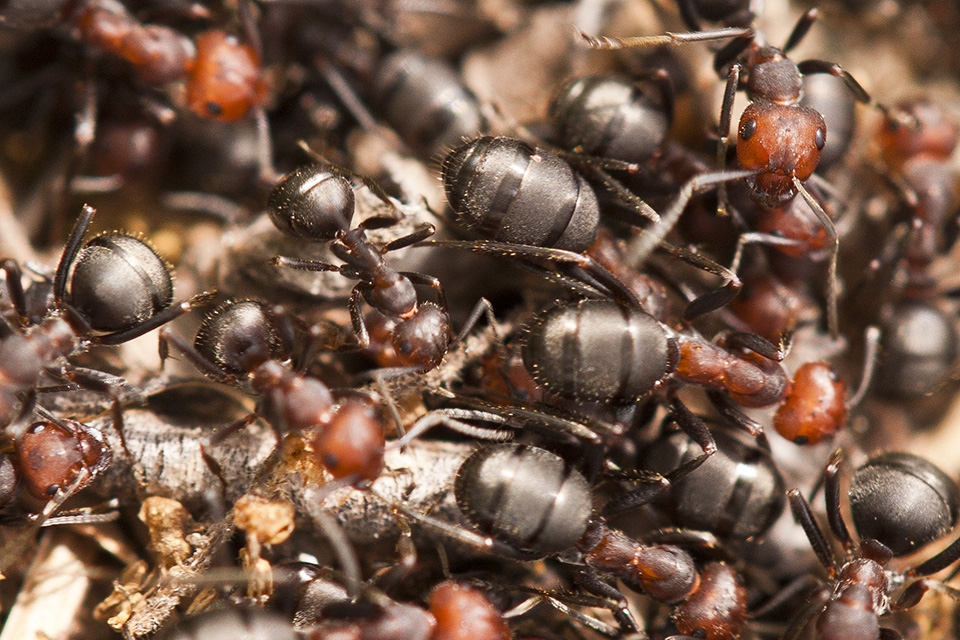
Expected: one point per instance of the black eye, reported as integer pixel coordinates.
(748, 129)
(821, 139)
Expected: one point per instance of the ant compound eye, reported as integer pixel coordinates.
(821, 139)
(748, 129)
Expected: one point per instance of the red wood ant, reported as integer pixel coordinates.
(860, 589)
(240, 344)
(84, 312)
(224, 79)
(502, 491)
(317, 203)
(778, 139)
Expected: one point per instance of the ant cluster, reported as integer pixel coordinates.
(468, 362)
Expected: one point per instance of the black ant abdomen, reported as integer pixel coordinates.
(510, 192)
(599, 351)
(903, 479)
(736, 494)
(504, 510)
(126, 269)
(611, 117)
(920, 350)
(312, 202)
(423, 100)
(238, 336)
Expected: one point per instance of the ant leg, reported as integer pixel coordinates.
(914, 592)
(801, 29)
(70, 251)
(871, 338)
(594, 584)
(642, 245)
(693, 426)
(938, 562)
(14, 277)
(860, 94)
(723, 130)
(831, 495)
(712, 300)
(590, 622)
(229, 430)
(614, 285)
(203, 364)
(756, 237)
(607, 43)
(753, 342)
(579, 427)
(453, 419)
(833, 292)
(738, 418)
(430, 281)
(818, 542)
(483, 307)
(645, 212)
(160, 319)
(304, 265)
(414, 237)
(356, 317)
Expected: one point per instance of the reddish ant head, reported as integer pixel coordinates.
(351, 443)
(718, 609)
(463, 613)
(227, 80)
(422, 340)
(781, 142)
(930, 134)
(815, 406)
(51, 457)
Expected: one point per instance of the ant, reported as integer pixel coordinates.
(606, 351)
(51, 460)
(737, 494)
(528, 503)
(921, 340)
(777, 138)
(424, 101)
(533, 206)
(861, 589)
(223, 77)
(455, 611)
(316, 203)
(242, 343)
(110, 290)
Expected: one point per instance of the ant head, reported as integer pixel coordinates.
(351, 444)
(227, 80)
(913, 128)
(780, 142)
(52, 456)
(815, 407)
(422, 340)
